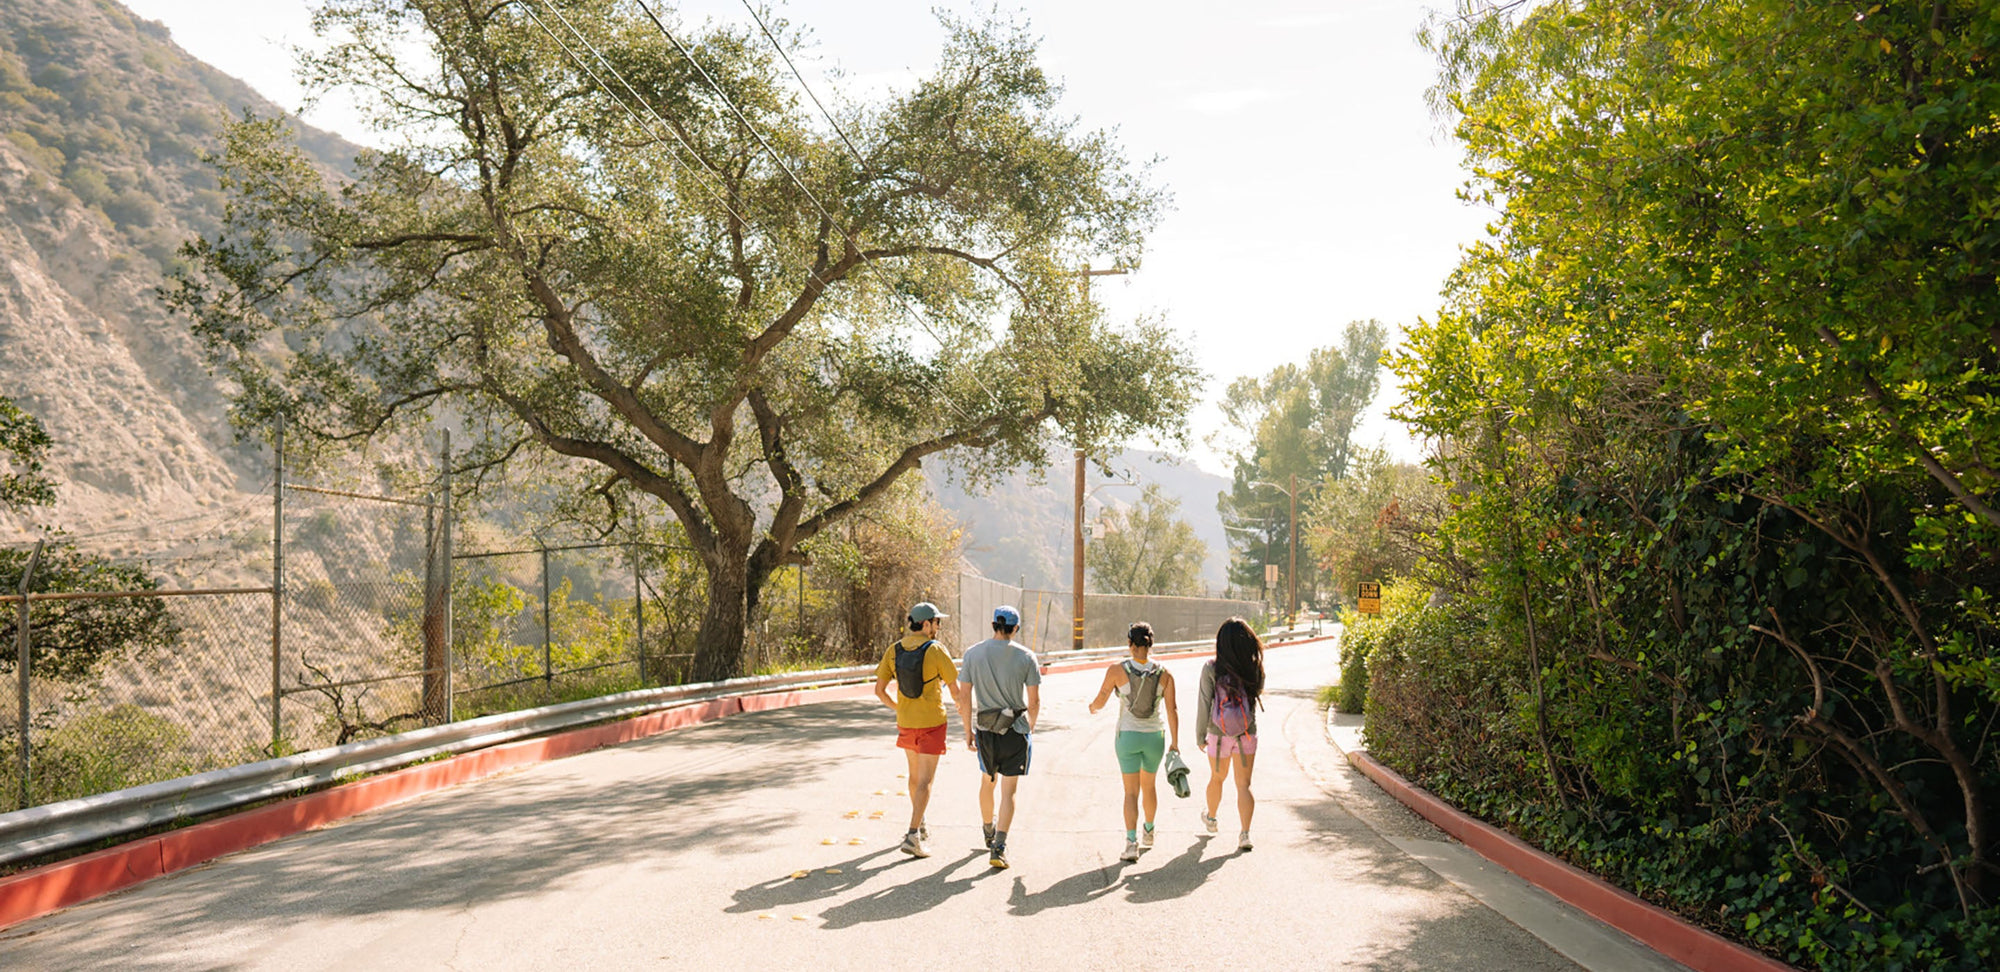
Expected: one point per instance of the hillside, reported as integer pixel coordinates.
(103, 122)
(1019, 531)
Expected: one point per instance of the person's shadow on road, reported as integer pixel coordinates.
(1176, 878)
(904, 900)
(788, 890)
(1073, 890)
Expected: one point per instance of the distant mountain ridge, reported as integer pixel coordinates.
(1019, 531)
(103, 124)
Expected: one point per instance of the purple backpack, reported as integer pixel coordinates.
(1229, 714)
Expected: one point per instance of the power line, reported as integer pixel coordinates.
(718, 196)
(796, 181)
(780, 48)
(859, 159)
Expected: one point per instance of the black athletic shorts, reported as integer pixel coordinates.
(1004, 753)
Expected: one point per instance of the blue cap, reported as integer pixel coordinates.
(925, 611)
(1005, 614)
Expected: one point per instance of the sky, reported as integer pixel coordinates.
(1312, 186)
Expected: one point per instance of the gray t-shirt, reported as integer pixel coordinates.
(999, 673)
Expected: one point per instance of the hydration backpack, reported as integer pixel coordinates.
(1230, 712)
(910, 678)
(1144, 698)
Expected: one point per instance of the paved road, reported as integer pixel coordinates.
(678, 851)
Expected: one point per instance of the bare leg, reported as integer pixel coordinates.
(1246, 804)
(1132, 801)
(923, 769)
(1006, 817)
(1149, 790)
(1218, 770)
(986, 800)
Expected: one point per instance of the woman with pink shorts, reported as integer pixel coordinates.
(1226, 719)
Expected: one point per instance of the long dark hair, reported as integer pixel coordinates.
(1239, 659)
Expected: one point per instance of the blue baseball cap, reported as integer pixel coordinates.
(925, 611)
(1005, 614)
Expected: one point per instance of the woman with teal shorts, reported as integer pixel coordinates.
(1145, 693)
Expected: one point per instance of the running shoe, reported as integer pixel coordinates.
(1209, 822)
(1243, 842)
(987, 829)
(997, 859)
(913, 845)
(1146, 837)
(1131, 851)
(924, 833)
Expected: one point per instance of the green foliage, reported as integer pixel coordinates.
(1147, 548)
(23, 446)
(892, 555)
(680, 317)
(1715, 402)
(1363, 635)
(1370, 524)
(75, 639)
(1297, 421)
(105, 750)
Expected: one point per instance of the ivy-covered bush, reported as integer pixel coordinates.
(1716, 407)
(1362, 634)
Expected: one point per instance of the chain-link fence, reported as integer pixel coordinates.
(351, 652)
(544, 623)
(320, 613)
(129, 689)
(1047, 623)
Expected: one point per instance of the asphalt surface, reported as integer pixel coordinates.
(679, 852)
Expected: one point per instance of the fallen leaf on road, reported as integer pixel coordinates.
(833, 870)
(800, 874)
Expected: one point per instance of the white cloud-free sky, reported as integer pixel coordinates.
(1312, 186)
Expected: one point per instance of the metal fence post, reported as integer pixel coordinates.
(548, 670)
(277, 583)
(638, 616)
(21, 665)
(445, 545)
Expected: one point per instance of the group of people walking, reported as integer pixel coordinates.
(996, 688)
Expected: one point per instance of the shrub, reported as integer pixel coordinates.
(1362, 634)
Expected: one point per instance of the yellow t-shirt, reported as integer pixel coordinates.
(926, 710)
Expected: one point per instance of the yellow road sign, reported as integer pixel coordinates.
(1370, 596)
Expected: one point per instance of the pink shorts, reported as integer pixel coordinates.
(1223, 747)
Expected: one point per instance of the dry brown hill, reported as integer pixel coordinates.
(103, 122)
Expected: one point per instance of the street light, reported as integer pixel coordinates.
(1292, 574)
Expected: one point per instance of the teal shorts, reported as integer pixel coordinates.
(1139, 751)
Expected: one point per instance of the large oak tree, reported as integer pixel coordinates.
(629, 244)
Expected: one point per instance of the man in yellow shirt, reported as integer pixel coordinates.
(920, 667)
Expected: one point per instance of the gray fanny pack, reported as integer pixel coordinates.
(995, 720)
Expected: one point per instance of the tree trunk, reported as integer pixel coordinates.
(718, 650)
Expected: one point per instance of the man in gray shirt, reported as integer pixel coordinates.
(999, 716)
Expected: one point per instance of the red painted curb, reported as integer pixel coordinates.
(37, 892)
(1658, 928)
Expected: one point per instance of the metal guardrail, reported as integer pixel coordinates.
(56, 827)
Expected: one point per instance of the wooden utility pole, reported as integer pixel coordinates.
(1292, 574)
(1076, 534)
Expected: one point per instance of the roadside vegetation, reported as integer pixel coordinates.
(1709, 612)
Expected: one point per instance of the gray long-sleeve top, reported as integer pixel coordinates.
(1206, 704)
